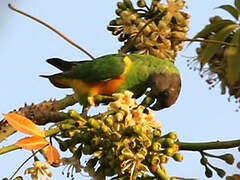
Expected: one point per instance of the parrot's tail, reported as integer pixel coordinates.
(58, 81)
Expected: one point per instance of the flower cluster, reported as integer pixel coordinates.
(124, 141)
(161, 27)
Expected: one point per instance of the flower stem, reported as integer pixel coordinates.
(206, 41)
(187, 146)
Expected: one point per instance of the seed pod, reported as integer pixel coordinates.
(208, 172)
(203, 161)
(228, 158)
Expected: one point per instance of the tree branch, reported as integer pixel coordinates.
(206, 41)
(41, 114)
(187, 146)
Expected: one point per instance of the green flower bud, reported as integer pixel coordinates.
(168, 142)
(169, 152)
(117, 127)
(74, 114)
(106, 129)
(156, 146)
(94, 123)
(172, 135)
(178, 157)
(118, 11)
(137, 129)
(128, 4)
(155, 160)
(141, 3)
(143, 151)
(74, 132)
(120, 115)
(147, 142)
(157, 132)
(113, 22)
(109, 120)
(115, 136)
(175, 147)
(121, 5)
(163, 158)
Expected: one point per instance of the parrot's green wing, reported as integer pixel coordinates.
(100, 69)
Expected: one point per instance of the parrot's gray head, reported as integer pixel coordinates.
(165, 88)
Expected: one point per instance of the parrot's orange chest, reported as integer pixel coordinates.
(107, 87)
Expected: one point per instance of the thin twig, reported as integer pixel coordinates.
(207, 41)
(53, 29)
(24, 163)
(185, 146)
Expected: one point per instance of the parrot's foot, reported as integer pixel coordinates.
(147, 101)
(85, 111)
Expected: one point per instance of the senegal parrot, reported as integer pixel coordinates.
(119, 72)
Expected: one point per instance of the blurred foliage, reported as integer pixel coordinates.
(219, 52)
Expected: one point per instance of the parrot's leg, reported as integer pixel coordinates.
(85, 111)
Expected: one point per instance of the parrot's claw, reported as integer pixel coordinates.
(85, 111)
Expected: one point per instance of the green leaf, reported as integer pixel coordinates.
(231, 10)
(214, 27)
(233, 60)
(237, 4)
(212, 48)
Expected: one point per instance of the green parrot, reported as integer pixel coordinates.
(119, 72)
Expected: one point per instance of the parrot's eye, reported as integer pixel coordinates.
(166, 93)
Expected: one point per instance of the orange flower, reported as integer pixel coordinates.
(36, 141)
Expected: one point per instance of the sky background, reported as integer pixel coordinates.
(199, 114)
